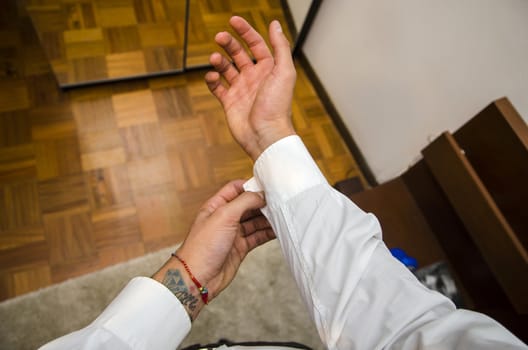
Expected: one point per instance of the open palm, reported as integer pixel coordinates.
(257, 96)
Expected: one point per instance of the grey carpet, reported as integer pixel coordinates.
(262, 304)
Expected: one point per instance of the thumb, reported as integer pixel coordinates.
(281, 46)
(241, 204)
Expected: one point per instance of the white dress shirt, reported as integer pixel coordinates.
(358, 295)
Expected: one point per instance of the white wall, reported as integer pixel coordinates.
(299, 10)
(402, 71)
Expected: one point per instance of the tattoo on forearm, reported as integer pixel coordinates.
(174, 281)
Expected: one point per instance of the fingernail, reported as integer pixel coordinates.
(278, 27)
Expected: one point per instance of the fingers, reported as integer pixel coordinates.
(251, 37)
(234, 210)
(254, 224)
(258, 238)
(281, 47)
(248, 215)
(224, 67)
(282, 53)
(234, 49)
(214, 84)
(256, 231)
(225, 195)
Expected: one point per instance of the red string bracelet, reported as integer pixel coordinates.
(204, 293)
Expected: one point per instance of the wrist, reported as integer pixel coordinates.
(269, 136)
(174, 276)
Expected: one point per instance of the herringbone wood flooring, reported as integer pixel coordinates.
(99, 175)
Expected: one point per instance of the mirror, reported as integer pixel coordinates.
(206, 18)
(94, 41)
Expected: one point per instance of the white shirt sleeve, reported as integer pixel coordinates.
(145, 315)
(358, 295)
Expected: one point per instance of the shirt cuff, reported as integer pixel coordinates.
(284, 170)
(146, 315)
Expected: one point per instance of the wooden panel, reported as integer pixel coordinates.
(148, 173)
(14, 128)
(101, 149)
(15, 96)
(43, 91)
(17, 163)
(57, 157)
(191, 169)
(506, 256)
(103, 159)
(226, 163)
(475, 281)
(402, 222)
(53, 130)
(19, 206)
(33, 253)
(134, 108)
(63, 193)
(117, 254)
(69, 236)
(496, 144)
(126, 64)
(29, 279)
(95, 114)
(215, 129)
(109, 187)
(162, 218)
(20, 237)
(142, 141)
(172, 103)
(184, 132)
(116, 226)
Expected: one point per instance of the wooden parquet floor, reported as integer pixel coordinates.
(94, 40)
(96, 176)
(207, 17)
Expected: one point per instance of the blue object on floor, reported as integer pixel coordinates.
(410, 262)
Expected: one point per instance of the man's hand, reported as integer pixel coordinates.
(257, 97)
(228, 226)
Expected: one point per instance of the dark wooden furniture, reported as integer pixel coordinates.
(466, 202)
